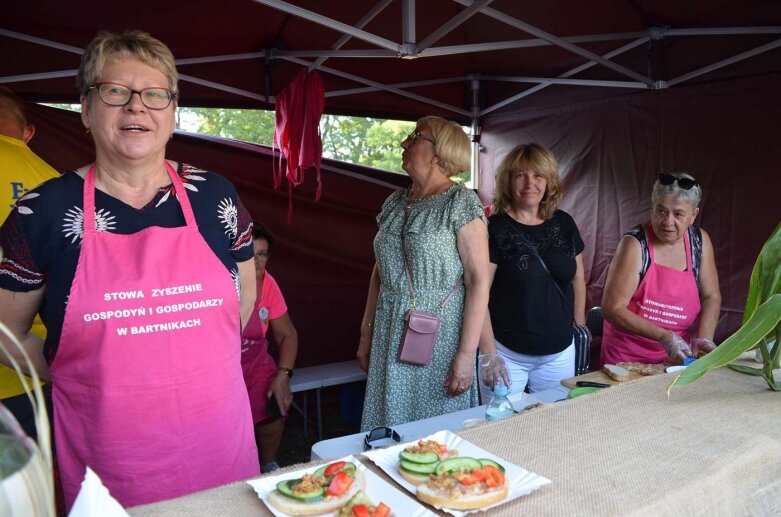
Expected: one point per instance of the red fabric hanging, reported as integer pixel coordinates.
(297, 132)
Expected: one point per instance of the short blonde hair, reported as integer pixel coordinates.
(136, 44)
(526, 157)
(452, 144)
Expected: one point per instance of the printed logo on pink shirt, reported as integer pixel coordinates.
(662, 312)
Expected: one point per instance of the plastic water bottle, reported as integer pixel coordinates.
(499, 407)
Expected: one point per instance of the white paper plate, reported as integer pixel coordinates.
(376, 488)
(521, 481)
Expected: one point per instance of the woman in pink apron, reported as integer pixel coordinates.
(146, 266)
(662, 298)
(268, 383)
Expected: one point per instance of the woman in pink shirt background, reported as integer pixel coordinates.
(264, 377)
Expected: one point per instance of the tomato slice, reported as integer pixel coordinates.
(442, 448)
(333, 468)
(382, 510)
(360, 510)
(340, 484)
(493, 476)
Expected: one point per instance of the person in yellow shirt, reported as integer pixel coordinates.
(20, 170)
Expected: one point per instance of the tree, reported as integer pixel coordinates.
(238, 124)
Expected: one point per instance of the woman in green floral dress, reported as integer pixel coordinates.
(445, 238)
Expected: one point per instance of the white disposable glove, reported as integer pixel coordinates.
(677, 349)
(702, 344)
(492, 368)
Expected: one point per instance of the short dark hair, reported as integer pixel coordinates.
(20, 111)
(261, 231)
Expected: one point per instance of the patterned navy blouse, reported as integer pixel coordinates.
(41, 238)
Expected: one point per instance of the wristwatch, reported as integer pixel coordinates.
(288, 371)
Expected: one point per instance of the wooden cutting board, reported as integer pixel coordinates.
(597, 376)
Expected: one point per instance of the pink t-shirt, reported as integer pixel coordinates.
(257, 365)
(269, 305)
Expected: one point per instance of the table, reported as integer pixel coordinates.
(353, 443)
(711, 448)
(323, 376)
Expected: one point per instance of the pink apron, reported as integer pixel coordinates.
(666, 297)
(257, 365)
(147, 382)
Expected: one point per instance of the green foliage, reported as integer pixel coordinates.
(761, 323)
(364, 141)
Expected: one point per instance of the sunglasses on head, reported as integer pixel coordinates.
(684, 183)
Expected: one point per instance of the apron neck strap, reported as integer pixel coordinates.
(89, 198)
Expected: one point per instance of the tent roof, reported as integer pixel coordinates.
(402, 59)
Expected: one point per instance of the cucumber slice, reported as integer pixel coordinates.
(418, 468)
(348, 467)
(486, 461)
(419, 457)
(457, 463)
(286, 488)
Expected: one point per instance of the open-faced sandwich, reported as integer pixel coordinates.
(361, 506)
(325, 490)
(418, 461)
(464, 484)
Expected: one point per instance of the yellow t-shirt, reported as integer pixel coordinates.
(20, 170)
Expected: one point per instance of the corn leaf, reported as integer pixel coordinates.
(761, 323)
(766, 275)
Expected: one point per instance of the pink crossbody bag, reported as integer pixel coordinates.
(420, 327)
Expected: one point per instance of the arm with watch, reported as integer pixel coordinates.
(286, 338)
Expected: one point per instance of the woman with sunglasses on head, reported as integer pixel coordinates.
(142, 270)
(662, 281)
(435, 231)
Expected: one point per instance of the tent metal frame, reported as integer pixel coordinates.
(411, 48)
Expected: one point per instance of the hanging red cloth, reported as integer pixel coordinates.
(297, 131)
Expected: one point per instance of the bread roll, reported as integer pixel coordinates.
(442, 498)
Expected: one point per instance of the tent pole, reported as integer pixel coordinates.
(475, 162)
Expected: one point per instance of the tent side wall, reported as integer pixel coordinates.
(610, 152)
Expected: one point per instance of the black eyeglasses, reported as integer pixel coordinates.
(379, 433)
(684, 183)
(118, 95)
(415, 135)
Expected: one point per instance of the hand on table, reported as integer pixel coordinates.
(492, 369)
(461, 372)
(677, 349)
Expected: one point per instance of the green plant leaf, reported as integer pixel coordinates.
(766, 275)
(762, 322)
(746, 369)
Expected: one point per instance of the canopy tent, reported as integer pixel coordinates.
(620, 90)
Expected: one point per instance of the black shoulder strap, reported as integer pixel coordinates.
(526, 242)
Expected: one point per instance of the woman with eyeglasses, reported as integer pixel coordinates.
(268, 382)
(438, 229)
(142, 270)
(662, 300)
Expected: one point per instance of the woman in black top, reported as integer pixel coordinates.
(533, 306)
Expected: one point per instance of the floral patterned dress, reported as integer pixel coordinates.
(397, 392)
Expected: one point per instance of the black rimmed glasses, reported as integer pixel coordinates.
(417, 135)
(684, 183)
(118, 95)
(379, 434)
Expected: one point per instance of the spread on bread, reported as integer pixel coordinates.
(325, 490)
(464, 484)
